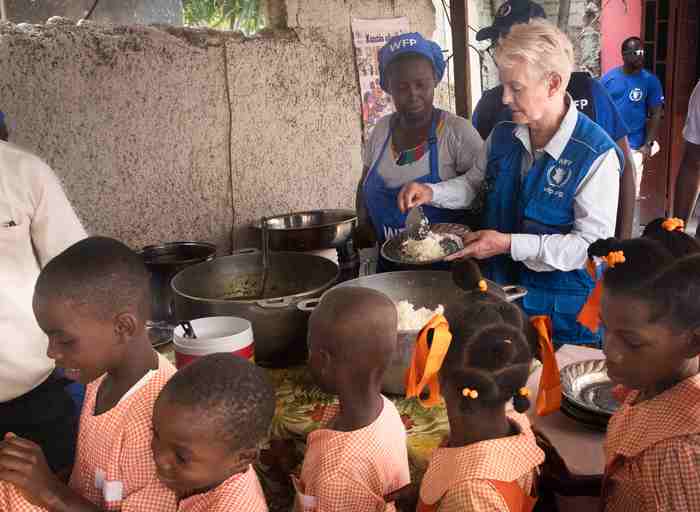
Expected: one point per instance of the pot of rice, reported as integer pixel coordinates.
(418, 295)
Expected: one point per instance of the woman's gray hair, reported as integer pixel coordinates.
(541, 45)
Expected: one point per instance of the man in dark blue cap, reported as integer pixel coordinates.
(589, 96)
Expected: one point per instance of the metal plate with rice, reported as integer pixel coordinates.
(394, 249)
(586, 385)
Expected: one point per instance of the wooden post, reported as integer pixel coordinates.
(3, 10)
(460, 57)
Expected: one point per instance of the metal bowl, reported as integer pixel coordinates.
(586, 385)
(310, 231)
(392, 249)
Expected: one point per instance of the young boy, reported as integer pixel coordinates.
(92, 301)
(207, 426)
(360, 456)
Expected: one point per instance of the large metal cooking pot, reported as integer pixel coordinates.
(163, 262)
(310, 231)
(278, 325)
(422, 288)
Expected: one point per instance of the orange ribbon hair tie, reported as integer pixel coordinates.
(589, 316)
(427, 361)
(615, 258)
(483, 286)
(673, 224)
(549, 392)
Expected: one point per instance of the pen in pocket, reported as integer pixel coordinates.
(9, 224)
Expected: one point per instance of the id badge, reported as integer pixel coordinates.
(303, 502)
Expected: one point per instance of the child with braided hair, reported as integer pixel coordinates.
(490, 459)
(671, 234)
(651, 315)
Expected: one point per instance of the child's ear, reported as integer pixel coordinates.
(125, 325)
(693, 343)
(326, 360)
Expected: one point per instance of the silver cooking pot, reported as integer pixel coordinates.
(278, 325)
(422, 288)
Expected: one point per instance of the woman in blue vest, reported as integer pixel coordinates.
(418, 143)
(549, 179)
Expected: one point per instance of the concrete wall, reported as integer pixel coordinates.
(108, 11)
(164, 134)
(619, 21)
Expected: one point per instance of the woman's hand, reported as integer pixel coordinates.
(414, 194)
(482, 245)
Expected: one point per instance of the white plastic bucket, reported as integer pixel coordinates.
(217, 334)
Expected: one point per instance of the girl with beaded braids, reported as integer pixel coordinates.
(651, 315)
(489, 460)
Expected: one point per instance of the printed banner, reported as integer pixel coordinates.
(369, 35)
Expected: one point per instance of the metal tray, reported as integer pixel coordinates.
(587, 386)
(590, 420)
(392, 251)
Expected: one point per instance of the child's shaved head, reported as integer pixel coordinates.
(235, 396)
(356, 326)
(100, 272)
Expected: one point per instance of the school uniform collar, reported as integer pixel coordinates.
(236, 485)
(555, 147)
(636, 428)
(505, 459)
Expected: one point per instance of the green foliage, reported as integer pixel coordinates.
(239, 15)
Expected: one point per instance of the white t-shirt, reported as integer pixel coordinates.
(691, 131)
(36, 223)
(458, 146)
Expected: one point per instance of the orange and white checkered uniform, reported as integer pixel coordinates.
(114, 465)
(353, 471)
(460, 478)
(240, 492)
(652, 452)
(11, 500)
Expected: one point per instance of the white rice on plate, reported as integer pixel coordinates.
(427, 249)
(412, 319)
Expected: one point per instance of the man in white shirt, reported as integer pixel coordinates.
(688, 182)
(36, 223)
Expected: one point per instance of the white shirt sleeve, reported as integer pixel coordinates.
(54, 224)
(595, 212)
(459, 193)
(691, 131)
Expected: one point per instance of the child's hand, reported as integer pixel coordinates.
(405, 498)
(23, 464)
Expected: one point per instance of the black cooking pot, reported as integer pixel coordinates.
(163, 262)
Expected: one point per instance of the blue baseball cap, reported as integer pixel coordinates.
(411, 43)
(510, 13)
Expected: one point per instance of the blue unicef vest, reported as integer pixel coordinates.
(542, 203)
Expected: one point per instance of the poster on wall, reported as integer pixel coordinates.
(369, 35)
